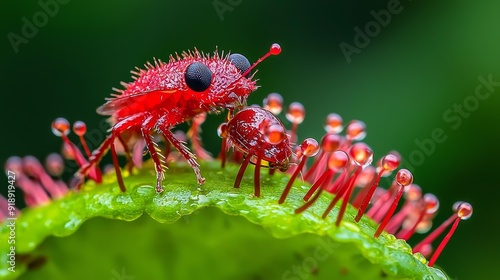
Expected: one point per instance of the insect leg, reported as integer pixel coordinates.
(93, 160)
(241, 171)
(181, 147)
(256, 177)
(117, 168)
(116, 130)
(155, 153)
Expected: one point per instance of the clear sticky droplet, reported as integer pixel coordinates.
(79, 128)
(14, 164)
(413, 192)
(404, 177)
(356, 130)
(431, 203)
(390, 162)
(361, 154)
(309, 147)
(274, 103)
(54, 164)
(60, 126)
(424, 226)
(338, 160)
(32, 166)
(333, 123)
(296, 113)
(331, 142)
(275, 49)
(464, 210)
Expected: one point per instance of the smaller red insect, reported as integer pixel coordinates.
(259, 135)
(167, 94)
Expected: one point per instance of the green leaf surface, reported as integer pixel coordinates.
(213, 240)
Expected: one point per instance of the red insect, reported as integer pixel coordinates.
(166, 94)
(261, 136)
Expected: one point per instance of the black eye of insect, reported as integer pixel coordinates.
(240, 61)
(198, 76)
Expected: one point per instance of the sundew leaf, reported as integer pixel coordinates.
(213, 240)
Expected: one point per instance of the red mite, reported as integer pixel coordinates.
(167, 94)
(261, 136)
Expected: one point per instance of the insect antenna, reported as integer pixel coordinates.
(274, 50)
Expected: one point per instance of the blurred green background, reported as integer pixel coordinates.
(426, 59)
